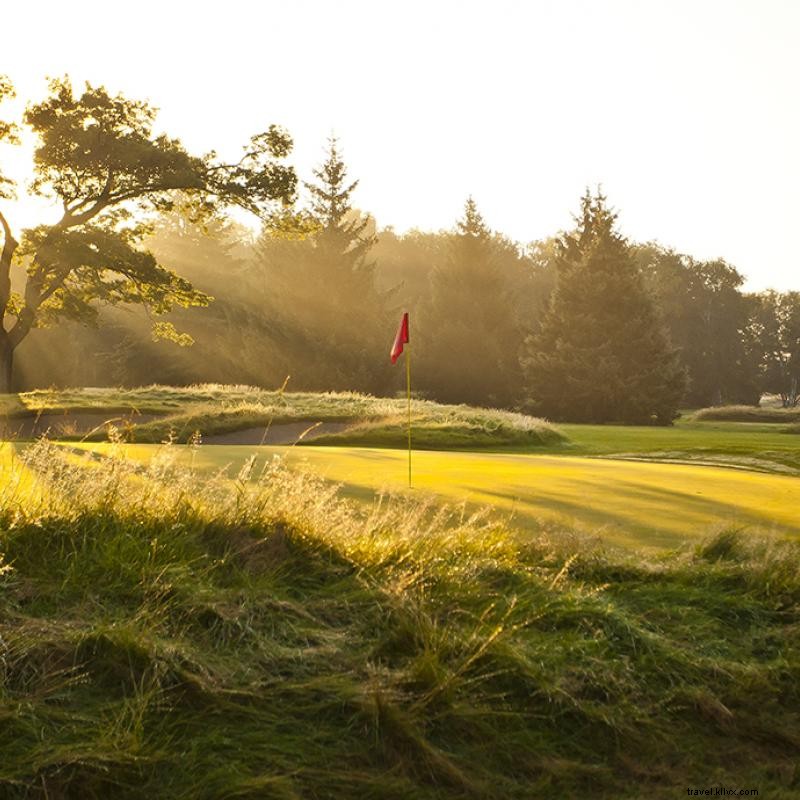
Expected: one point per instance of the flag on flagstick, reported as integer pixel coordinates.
(400, 339)
(397, 349)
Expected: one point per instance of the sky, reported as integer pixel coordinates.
(686, 113)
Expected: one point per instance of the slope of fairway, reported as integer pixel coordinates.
(625, 502)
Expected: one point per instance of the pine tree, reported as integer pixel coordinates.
(329, 321)
(471, 335)
(601, 354)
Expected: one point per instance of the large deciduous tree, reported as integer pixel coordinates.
(601, 354)
(98, 156)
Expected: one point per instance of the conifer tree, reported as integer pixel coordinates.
(329, 322)
(601, 354)
(471, 334)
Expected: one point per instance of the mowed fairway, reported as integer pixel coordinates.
(626, 502)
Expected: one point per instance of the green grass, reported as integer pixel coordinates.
(757, 446)
(762, 447)
(166, 634)
(628, 503)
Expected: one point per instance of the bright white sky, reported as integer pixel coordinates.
(687, 111)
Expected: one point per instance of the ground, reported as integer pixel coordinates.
(625, 623)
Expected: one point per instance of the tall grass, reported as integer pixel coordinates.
(214, 408)
(746, 414)
(167, 635)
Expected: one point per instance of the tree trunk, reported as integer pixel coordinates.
(6, 364)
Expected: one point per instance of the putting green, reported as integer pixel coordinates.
(627, 502)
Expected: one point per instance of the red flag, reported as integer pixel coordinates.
(401, 338)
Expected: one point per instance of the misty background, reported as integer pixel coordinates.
(322, 310)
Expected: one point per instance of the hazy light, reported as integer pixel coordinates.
(686, 112)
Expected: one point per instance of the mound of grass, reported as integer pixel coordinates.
(210, 409)
(165, 635)
(438, 427)
(376, 421)
(745, 414)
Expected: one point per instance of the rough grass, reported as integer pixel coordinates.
(450, 427)
(375, 419)
(165, 635)
(213, 408)
(746, 414)
(153, 399)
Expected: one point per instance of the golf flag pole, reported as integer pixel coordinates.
(408, 403)
(397, 348)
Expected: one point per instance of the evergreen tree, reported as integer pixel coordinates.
(329, 322)
(601, 354)
(471, 335)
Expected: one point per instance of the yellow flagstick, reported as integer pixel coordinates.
(408, 397)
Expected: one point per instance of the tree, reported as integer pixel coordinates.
(404, 262)
(707, 316)
(329, 320)
(98, 155)
(775, 329)
(601, 354)
(472, 333)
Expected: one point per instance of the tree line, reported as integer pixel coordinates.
(584, 326)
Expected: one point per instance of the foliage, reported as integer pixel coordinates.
(404, 262)
(328, 323)
(775, 330)
(601, 354)
(99, 157)
(470, 331)
(708, 320)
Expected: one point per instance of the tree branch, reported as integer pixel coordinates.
(34, 297)
(70, 218)
(52, 288)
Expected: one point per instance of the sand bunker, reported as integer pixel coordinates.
(56, 426)
(285, 433)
